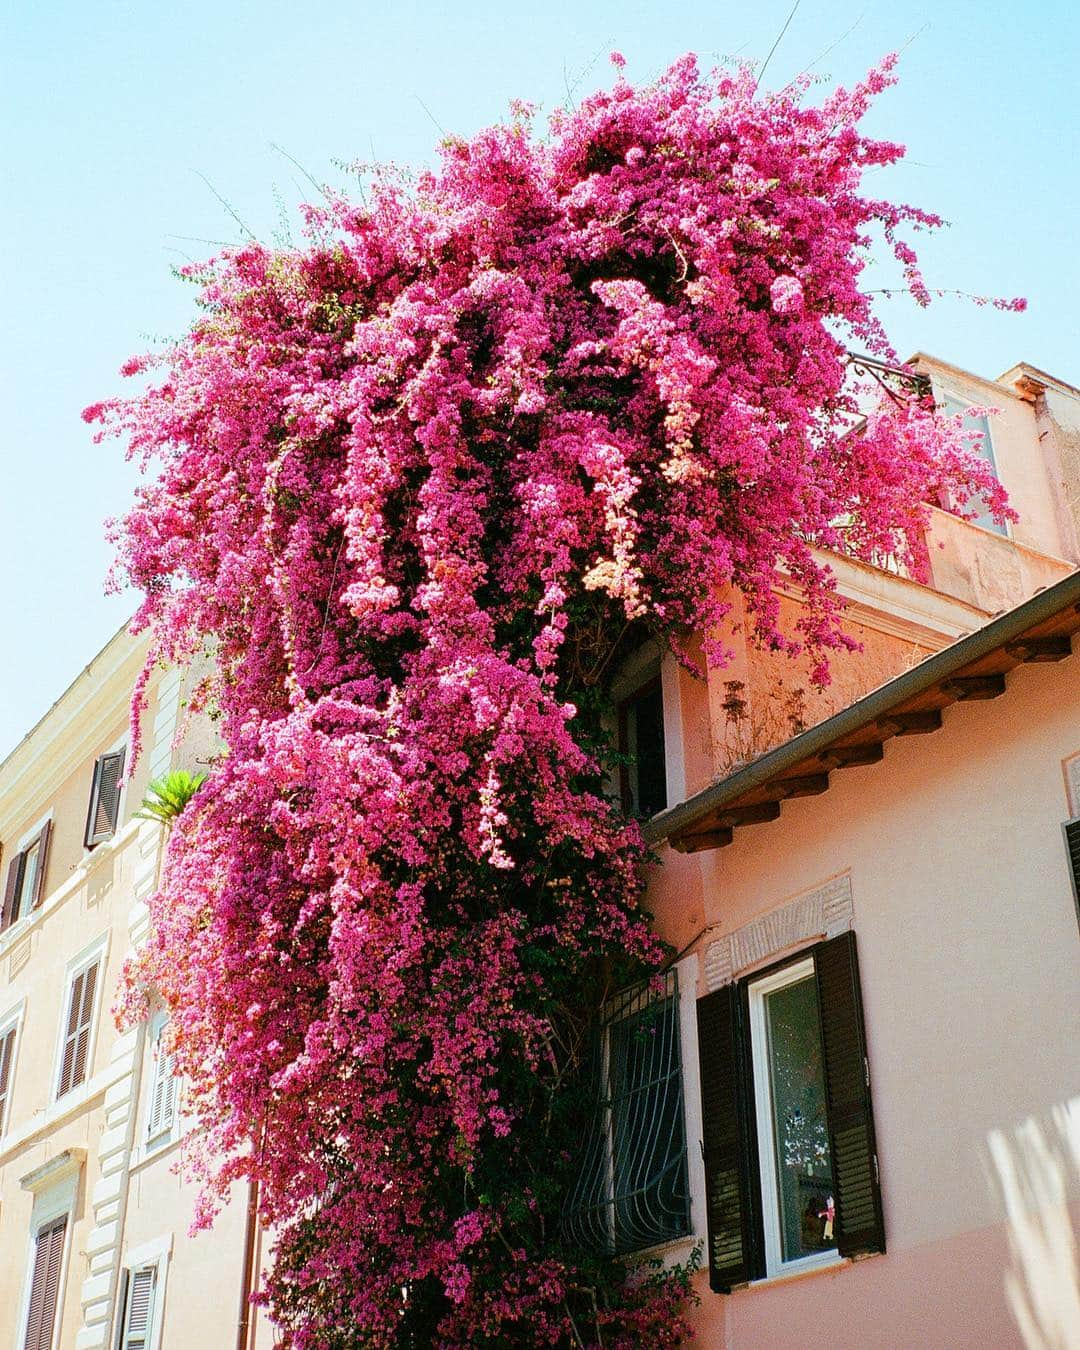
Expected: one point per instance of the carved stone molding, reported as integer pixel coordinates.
(823, 912)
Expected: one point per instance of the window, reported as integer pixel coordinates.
(7, 1070)
(103, 815)
(164, 1086)
(78, 1028)
(631, 1192)
(951, 406)
(45, 1284)
(24, 888)
(138, 1296)
(1072, 852)
(791, 1172)
(643, 772)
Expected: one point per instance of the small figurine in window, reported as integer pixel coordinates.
(829, 1215)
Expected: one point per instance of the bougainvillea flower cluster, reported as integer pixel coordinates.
(415, 486)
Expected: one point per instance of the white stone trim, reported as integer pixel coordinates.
(56, 1187)
(117, 1147)
(823, 912)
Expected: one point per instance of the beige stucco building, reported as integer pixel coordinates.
(787, 820)
(93, 1217)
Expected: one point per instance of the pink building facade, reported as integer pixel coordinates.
(874, 906)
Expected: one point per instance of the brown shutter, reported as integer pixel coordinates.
(860, 1226)
(1072, 852)
(729, 1142)
(86, 1021)
(7, 1059)
(102, 817)
(11, 891)
(42, 863)
(45, 1285)
(71, 1033)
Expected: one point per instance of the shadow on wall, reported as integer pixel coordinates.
(1036, 1171)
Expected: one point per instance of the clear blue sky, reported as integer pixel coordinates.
(111, 112)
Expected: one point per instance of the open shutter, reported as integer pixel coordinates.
(729, 1143)
(86, 1021)
(45, 1285)
(7, 1061)
(71, 1032)
(140, 1308)
(42, 863)
(11, 891)
(103, 815)
(1072, 850)
(860, 1227)
(121, 1308)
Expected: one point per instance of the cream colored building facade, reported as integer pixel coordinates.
(94, 1218)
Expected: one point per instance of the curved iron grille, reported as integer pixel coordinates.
(631, 1191)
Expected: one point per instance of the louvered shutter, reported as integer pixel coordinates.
(860, 1225)
(103, 815)
(73, 1064)
(71, 1032)
(162, 1090)
(1072, 850)
(45, 1285)
(729, 1143)
(11, 890)
(140, 1308)
(42, 863)
(7, 1060)
(86, 1019)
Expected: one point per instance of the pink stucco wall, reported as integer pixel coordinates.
(970, 962)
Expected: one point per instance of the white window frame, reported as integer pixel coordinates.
(97, 951)
(11, 1020)
(26, 839)
(163, 1137)
(156, 1253)
(758, 991)
(943, 395)
(50, 1204)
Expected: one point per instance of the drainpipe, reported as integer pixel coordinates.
(249, 1265)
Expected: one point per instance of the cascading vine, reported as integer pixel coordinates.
(419, 483)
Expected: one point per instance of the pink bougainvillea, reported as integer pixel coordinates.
(417, 485)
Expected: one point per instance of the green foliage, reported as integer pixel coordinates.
(167, 797)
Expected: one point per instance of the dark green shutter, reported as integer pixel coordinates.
(729, 1142)
(1072, 850)
(859, 1224)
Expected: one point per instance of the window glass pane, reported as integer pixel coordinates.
(800, 1132)
(26, 890)
(646, 772)
(986, 451)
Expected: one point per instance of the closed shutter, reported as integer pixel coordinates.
(73, 1064)
(103, 815)
(11, 891)
(1072, 850)
(860, 1226)
(140, 1308)
(42, 862)
(7, 1061)
(162, 1090)
(729, 1143)
(45, 1285)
